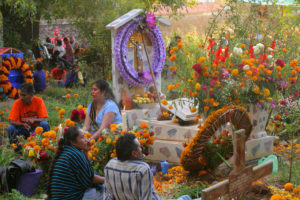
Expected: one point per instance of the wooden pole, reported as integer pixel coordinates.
(239, 150)
(152, 74)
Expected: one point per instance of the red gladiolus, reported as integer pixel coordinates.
(280, 62)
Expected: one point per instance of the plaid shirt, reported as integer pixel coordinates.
(131, 179)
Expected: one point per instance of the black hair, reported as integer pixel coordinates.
(59, 42)
(56, 53)
(104, 86)
(48, 40)
(66, 39)
(61, 63)
(27, 87)
(125, 145)
(70, 135)
(39, 65)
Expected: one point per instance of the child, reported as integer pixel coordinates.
(39, 78)
(75, 77)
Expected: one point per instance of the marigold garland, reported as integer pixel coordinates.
(192, 157)
(7, 65)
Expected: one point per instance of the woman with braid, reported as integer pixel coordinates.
(103, 111)
(71, 175)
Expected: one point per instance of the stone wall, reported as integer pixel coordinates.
(65, 27)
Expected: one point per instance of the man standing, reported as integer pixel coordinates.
(26, 114)
(128, 177)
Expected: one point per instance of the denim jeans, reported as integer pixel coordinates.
(14, 131)
(93, 194)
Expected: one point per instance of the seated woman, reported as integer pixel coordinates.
(71, 175)
(103, 111)
(39, 77)
(75, 77)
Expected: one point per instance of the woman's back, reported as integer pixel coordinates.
(71, 176)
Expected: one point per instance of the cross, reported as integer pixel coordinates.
(241, 177)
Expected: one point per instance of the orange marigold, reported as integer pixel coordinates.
(288, 186)
(179, 45)
(172, 58)
(144, 125)
(68, 96)
(193, 109)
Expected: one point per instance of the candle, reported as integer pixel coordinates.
(124, 120)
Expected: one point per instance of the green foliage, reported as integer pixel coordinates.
(16, 195)
(194, 191)
(6, 155)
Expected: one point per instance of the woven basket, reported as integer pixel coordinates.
(3, 127)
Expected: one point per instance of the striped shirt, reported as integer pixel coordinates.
(128, 180)
(72, 175)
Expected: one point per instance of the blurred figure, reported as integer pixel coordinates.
(59, 74)
(84, 44)
(39, 77)
(69, 51)
(60, 48)
(75, 77)
(72, 41)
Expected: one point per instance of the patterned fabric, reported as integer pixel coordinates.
(72, 175)
(130, 179)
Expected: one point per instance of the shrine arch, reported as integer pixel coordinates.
(192, 157)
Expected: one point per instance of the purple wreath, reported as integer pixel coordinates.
(139, 79)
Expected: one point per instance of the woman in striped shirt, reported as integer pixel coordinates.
(71, 175)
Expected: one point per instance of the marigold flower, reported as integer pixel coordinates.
(242, 46)
(170, 107)
(31, 153)
(276, 197)
(206, 108)
(197, 86)
(288, 186)
(38, 130)
(144, 125)
(179, 45)
(164, 102)
(108, 140)
(172, 58)
(68, 96)
(175, 120)
(284, 49)
(37, 148)
(249, 73)
(171, 51)
(235, 72)
(165, 114)
(277, 117)
(56, 108)
(171, 87)
(201, 60)
(75, 95)
(193, 109)
(178, 40)
(278, 68)
(14, 145)
(87, 135)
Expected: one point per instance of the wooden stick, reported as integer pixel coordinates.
(152, 74)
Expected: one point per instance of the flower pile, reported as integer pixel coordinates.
(232, 74)
(103, 149)
(288, 193)
(7, 65)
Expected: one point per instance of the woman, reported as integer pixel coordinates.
(71, 175)
(103, 111)
(59, 74)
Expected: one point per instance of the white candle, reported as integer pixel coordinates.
(124, 120)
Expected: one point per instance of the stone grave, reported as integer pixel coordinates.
(241, 178)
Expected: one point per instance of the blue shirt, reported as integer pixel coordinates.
(109, 106)
(72, 174)
(39, 80)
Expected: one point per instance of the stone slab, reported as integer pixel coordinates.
(171, 150)
(165, 150)
(168, 130)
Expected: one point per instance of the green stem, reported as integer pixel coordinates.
(220, 156)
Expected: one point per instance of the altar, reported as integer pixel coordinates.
(138, 57)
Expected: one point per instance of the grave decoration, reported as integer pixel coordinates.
(138, 53)
(9, 64)
(241, 178)
(193, 157)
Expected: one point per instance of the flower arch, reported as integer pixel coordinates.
(7, 65)
(139, 79)
(192, 157)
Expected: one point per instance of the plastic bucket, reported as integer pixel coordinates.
(27, 183)
(16, 78)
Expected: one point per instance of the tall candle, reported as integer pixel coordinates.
(124, 120)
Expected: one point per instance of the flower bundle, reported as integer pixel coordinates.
(39, 147)
(289, 192)
(103, 149)
(232, 74)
